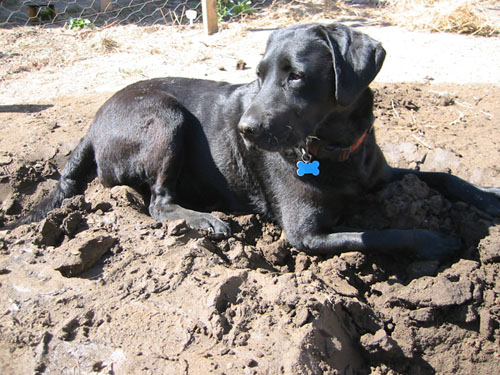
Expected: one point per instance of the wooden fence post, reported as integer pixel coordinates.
(209, 10)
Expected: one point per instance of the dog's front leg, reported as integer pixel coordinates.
(422, 244)
(162, 207)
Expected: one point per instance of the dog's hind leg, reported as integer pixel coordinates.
(73, 176)
(140, 138)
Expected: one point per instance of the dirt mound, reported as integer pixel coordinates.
(100, 287)
(104, 288)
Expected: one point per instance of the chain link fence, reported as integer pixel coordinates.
(99, 13)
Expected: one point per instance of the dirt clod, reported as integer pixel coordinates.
(78, 255)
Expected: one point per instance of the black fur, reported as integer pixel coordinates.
(200, 145)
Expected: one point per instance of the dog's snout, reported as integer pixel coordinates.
(250, 127)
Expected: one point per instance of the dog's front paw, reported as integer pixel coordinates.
(435, 246)
(210, 224)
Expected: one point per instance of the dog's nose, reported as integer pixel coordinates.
(250, 128)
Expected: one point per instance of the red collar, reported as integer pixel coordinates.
(319, 149)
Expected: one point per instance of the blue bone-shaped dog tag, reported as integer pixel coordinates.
(304, 168)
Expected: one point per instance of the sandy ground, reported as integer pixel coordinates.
(412, 57)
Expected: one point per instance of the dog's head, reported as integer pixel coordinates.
(306, 74)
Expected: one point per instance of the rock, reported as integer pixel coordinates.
(5, 160)
(332, 270)
(41, 352)
(301, 317)
(126, 196)
(68, 329)
(238, 256)
(177, 227)
(241, 65)
(362, 315)
(342, 287)
(354, 259)
(446, 100)
(71, 222)
(76, 203)
(435, 292)
(464, 268)
(423, 315)
(103, 206)
(11, 205)
(252, 363)
(380, 343)
(487, 324)
(302, 262)
(422, 268)
(489, 247)
(276, 253)
(49, 233)
(81, 253)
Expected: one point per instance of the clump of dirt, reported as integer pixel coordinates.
(100, 287)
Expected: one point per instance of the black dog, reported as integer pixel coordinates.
(296, 145)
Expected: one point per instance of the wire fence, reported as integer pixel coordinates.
(98, 13)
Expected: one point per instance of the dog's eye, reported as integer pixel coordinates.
(295, 76)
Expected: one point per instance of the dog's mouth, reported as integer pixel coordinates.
(270, 142)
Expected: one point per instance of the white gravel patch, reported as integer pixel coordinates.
(414, 56)
(411, 57)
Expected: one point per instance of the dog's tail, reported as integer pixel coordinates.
(73, 177)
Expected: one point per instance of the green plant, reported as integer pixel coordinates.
(231, 8)
(129, 72)
(46, 13)
(79, 23)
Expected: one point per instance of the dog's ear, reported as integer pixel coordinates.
(357, 59)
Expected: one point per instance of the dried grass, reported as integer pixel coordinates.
(283, 13)
(453, 16)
